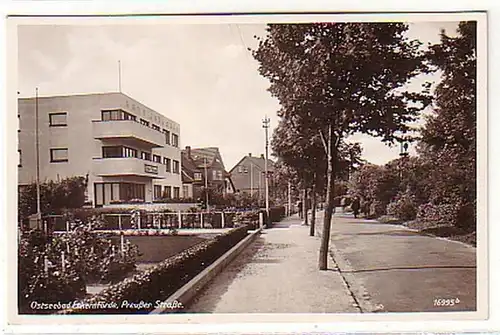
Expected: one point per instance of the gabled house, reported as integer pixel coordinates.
(200, 164)
(249, 177)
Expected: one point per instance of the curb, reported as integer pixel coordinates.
(184, 295)
(357, 289)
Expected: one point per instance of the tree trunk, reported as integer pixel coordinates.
(330, 192)
(313, 209)
(304, 206)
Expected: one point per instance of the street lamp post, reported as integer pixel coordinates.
(403, 154)
(265, 125)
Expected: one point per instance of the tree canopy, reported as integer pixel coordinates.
(336, 79)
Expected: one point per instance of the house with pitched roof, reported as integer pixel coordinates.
(204, 166)
(249, 177)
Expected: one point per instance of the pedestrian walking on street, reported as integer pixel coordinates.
(299, 205)
(355, 205)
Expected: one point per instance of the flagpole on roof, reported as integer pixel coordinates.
(37, 148)
(119, 76)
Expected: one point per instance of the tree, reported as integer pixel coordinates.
(54, 196)
(341, 78)
(449, 134)
(284, 174)
(301, 152)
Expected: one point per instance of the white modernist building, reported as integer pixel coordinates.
(126, 150)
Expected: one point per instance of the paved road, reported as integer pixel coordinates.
(401, 269)
(277, 274)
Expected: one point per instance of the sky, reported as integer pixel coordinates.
(201, 76)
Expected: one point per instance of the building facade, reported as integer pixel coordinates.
(249, 176)
(127, 151)
(205, 163)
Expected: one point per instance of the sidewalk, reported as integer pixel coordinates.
(278, 273)
(401, 269)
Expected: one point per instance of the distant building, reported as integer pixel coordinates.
(249, 177)
(194, 161)
(127, 150)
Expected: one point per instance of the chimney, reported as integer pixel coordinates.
(188, 151)
(250, 154)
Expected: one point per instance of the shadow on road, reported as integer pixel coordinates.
(425, 267)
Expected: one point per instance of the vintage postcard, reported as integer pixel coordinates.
(307, 168)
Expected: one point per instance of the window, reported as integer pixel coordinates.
(167, 136)
(20, 159)
(197, 176)
(59, 155)
(111, 115)
(175, 140)
(145, 155)
(217, 175)
(167, 163)
(185, 191)
(58, 119)
(155, 127)
(129, 152)
(127, 116)
(176, 167)
(157, 159)
(167, 192)
(157, 191)
(177, 192)
(240, 169)
(132, 191)
(144, 122)
(115, 115)
(111, 152)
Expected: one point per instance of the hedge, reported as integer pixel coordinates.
(276, 214)
(161, 281)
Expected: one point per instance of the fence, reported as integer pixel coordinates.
(128, 221)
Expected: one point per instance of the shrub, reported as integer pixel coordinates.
(377, 208)
(277, 213)
(54, 196)
(159, 282)
(436, 215)
(174, 201)
(37, 284)
(403, 208)
(460, 215)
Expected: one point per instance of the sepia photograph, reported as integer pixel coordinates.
(329, 165)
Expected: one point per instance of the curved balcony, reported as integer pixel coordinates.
(127, 166)
(129, 130)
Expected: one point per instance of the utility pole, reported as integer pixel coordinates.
(37, 145)
(265, 125)
(206, 183)
(251, 180)
(260, 187)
